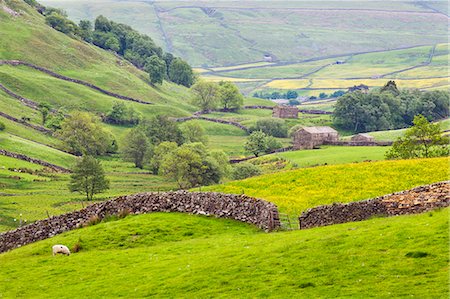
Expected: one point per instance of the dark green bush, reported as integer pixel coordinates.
(245, 170)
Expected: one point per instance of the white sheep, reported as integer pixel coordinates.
(60, 249)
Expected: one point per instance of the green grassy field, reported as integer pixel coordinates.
(49, 48)
(392, 135)
(334, 155)
(174, 255)
(297, 190)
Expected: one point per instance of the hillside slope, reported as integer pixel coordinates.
(297, 190)
(29, 39)
(173, 255)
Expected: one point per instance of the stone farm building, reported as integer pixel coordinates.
(361, 88)
(283, 111)
(311, 137)
(363, 138)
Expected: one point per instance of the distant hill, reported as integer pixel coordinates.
(275, 45)
(217, 33)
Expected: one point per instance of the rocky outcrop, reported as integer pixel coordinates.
(220, 121)
(417, 200)
(77, 81)
(53, 167)
(239, 207)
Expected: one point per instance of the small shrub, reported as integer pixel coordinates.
(2, 126)
(417, 254)
(93, 220)
(77, 247)
(306, 285)
(272, 127)
(245, 170)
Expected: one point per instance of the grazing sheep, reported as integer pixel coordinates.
(60, 249)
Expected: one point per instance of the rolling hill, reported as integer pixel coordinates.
(275, 45)
(174, 255)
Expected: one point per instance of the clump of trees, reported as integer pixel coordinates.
(272, 127)
(388, 108)
(210, 96)
(88, 177)
(245, 170)
(423, 140)
(122, 114)
(190, 164)
(83, 134)
(137, 48)
(290, 94)
(259, 142)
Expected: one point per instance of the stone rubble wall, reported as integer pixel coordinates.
(358, 143)
(315, 111)
(35, 127)
(25, 101)
(416, 200)
(77, 81)
(261, 213)
(53, 167)
(220, 121)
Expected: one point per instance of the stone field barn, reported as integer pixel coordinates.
(311, 137)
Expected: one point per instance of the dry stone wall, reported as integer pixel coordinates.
(358, 143)
(36, 127)
(239, 207)
(25, 101)
(65, 78)
(417, 200)
(53, 167)
(220, 121)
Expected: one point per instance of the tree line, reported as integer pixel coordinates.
(389, 108)
(137, 48)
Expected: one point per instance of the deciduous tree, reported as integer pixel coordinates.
(206, 95)
(136, 147)
(88, 178)
(423, 140)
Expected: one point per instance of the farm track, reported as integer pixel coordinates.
(166, 38)
(77, 81)
(426, 63)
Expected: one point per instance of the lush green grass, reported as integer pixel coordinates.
(35, 150)
(297, 190)
(392, 135)
(41, 87)
(173, 255)
(34, 196)
(334, 155)
(30, 39)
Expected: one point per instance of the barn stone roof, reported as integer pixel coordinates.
(319, 130)
(364, 135)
